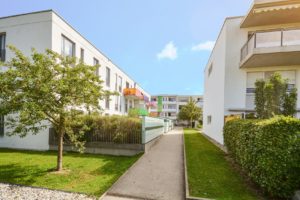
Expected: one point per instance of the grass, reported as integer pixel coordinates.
(86, 173)
(210, 175)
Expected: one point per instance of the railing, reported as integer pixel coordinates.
(267, 39)
(2, 55)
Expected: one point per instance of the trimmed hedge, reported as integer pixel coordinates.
(268, 151)
(107, 129)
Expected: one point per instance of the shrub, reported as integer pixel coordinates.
(109, 129)
(268, 151)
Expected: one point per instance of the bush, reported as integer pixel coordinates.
(268, 151)
(109, 129)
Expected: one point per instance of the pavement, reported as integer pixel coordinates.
(158, 174)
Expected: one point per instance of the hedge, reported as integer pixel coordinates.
(107, 129)
(268, 151)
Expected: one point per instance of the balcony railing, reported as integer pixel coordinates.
(269, 39)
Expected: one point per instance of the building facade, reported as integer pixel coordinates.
(47, 30)
(249, 48)
(169, 105)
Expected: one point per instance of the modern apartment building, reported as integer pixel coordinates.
(47, 30)
(170, 105)
(248, 48)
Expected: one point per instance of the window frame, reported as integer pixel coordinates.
(107, 76)
(63, 46)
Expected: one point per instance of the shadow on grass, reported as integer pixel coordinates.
(89, 173)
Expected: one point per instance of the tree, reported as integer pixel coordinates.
(48, 87)
(273, 97)
(190, 112)
(260, 98)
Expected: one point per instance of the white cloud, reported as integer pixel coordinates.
(168, 52)
(205, 46)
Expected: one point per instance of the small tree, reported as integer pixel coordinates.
(272, 97)
(48, 87)
(190, 112)
(260, 98)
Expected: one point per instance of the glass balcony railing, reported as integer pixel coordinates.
(269, 39)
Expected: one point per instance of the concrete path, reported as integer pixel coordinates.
(157, 175)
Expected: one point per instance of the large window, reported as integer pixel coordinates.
(96, 62)
(67, 47)
(82, 54)
(107, 78)
(107, 100)
(120, 84)
(209, 119)
(2, 46)
(116, 83)
(1, 125)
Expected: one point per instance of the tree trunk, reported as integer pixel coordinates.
(60, 151)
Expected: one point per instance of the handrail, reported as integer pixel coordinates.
(245, 48)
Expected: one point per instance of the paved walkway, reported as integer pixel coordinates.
(157, 175)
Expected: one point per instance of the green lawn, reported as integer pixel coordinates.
(86, 173)
(209, 174)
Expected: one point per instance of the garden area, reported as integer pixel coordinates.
(210, 174)
(84, 173)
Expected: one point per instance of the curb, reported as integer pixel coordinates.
(187, 192)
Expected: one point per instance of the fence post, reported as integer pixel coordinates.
(143, 130)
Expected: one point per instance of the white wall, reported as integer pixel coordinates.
(43, 31)
(214, 90)
(25, 32)
(59, 27)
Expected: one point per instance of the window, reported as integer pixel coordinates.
(210, 69)
(126, 105)
(2, 46)
(209, 119)
(116, 83)
(96, 62)
(1, 125)
(120, 84)
(107, 80)
(107, 100)
(116, 103)
(127, 84)
(67, 47)
(82, 54)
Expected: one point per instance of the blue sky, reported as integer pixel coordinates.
(162, 44)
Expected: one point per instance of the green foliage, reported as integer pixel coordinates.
(272, 97)
(268, 151)
(133, 113)
(87, 173)
(290, 102)
(260, 98)
(47, 87)
(116, 129)
(190, 112)
(210, 175)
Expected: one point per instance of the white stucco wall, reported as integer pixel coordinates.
(214, 89)
(43, 30)
(59, 27)
(25, 32)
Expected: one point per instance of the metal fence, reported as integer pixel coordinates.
(150, 129)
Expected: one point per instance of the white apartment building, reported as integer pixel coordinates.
(169, 105)
(248, 48)
(47, 30)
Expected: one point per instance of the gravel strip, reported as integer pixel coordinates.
(15, 192)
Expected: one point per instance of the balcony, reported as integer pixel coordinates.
(133, 93)
(272, 12)
(272, 48)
